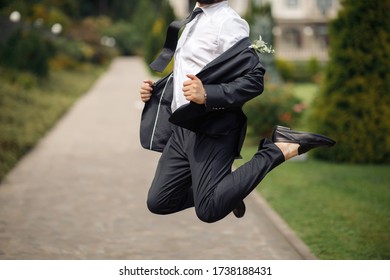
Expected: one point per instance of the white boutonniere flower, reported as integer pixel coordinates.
(261, 47)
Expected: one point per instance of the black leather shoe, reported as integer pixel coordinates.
(306, 140)
(240, 209)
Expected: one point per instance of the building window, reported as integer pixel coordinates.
(324, 5)
(292, 38)
(292, 3)
(322, 36)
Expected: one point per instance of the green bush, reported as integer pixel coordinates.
(70, 54)
(313, 67)
(128, 40)
(29, 107)
(299, 71)
(83, 41)
(354, 105)
(27, 50)
(76, 49)
(285, 68)
(276, 106)
(49, 15)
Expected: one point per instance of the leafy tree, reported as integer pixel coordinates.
(354, 105)
(261, 22)
(157, 32)
(123, 9)
(69, 7)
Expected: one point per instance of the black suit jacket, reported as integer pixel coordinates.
(230, 80)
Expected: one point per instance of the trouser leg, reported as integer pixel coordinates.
(195, 170)
(217, 190)
(171, 190)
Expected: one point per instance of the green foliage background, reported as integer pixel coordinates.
(354, 105)
(29, 107)
(138, 28)
(277, 105)
(26, 51)
(42, 74)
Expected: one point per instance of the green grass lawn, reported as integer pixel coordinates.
(30, 107)
(305, 91)
(340, 211)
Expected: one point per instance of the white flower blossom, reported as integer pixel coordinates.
(261, 47)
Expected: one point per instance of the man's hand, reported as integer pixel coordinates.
(193, 90)
(146, 90)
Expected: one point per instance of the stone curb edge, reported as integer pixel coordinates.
(282, 226)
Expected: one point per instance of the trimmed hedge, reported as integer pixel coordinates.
(299, 71)
(354, 105)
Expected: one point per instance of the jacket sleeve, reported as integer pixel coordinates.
(237, 92)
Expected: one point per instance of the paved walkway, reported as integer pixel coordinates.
(80, 194)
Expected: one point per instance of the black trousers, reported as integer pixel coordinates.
(195, 170)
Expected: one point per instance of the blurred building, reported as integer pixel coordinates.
(300, 31)
(301, 28)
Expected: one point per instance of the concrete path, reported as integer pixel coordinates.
(80, 194)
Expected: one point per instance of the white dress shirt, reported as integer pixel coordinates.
(206, 37)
